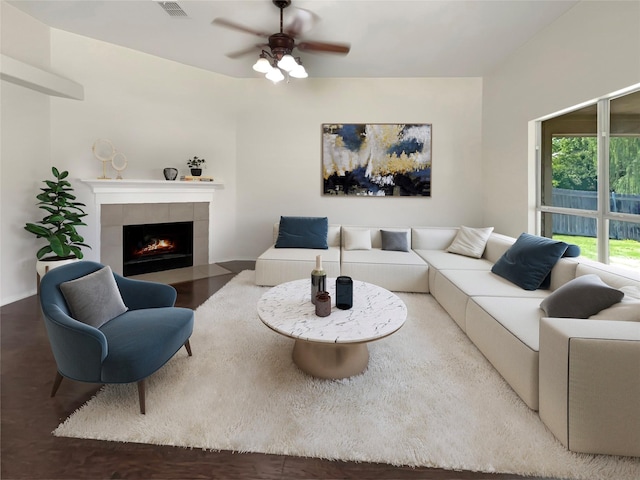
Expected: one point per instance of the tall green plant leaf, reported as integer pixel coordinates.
(63, 216)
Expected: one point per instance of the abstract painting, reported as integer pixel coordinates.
(376, 159)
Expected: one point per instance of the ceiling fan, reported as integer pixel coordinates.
(282, 44)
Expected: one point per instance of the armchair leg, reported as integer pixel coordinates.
(187, 345)
(141, 396)
(56, 384)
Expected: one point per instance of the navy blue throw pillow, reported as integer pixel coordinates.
(572, 250)
(303, 232)
(528, 262)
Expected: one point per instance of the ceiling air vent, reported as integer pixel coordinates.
(173, 9)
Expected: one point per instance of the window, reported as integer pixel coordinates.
(589, 179)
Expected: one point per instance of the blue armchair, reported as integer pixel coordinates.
(125, 349)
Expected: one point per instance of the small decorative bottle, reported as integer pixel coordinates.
(318, 279)
(323, 304)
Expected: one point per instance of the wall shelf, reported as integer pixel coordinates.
(150, 191)
(161, 185)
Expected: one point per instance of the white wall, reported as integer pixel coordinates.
(157, 112)
(279, 151)
(264, 141)
(592, 50)
(24, 153)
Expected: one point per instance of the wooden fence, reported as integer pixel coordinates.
(586, 227)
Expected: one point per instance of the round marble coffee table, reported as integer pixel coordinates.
(334, 346)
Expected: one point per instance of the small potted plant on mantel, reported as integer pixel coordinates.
(194, 165)
(58, 227)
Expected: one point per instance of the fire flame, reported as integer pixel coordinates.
(156, 246)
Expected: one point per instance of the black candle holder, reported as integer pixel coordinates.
(344, 293)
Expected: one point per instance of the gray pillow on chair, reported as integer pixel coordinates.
(95, 298)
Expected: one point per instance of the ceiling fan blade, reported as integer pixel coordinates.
(302, 22)
(322, 47)
(246, 51)
(236, 26)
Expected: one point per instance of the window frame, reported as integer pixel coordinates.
(603, 214)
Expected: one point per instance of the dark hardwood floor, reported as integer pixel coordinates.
(30, 451)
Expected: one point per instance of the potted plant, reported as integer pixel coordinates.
(58, 227)
(194, 165)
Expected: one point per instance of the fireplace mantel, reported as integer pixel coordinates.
(150, 191)
(176, 197)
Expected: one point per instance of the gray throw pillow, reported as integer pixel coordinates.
(392, 240)
(95, 298)
(580, 298)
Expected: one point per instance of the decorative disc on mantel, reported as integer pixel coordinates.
(104, 151)
(119, 162)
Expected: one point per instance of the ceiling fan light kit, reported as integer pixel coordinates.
(298, 72)
(275, 75)
(287, 63)
(262, 65)
(279, 57)
(273, 72)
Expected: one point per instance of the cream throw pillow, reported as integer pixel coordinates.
(627, 309)
(357, 239)
(470, 242)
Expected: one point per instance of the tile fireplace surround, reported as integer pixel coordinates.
(135, 202)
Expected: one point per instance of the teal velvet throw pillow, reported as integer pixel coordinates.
(303, 232)
(529, 261)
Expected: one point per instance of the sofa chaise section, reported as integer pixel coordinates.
(590, 384)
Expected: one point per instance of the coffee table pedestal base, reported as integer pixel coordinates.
(331, 360)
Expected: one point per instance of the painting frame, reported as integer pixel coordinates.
(376, 159)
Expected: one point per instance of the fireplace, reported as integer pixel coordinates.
(156, 247)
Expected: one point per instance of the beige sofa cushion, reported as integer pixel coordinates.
(376, 256)
(474, 283)
(496, 246)
(520, 316)
(432, 238)
(441, 260)
(612, 275)
(393, 270)
(278, 265)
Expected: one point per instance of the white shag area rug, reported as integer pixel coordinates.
(428, 398)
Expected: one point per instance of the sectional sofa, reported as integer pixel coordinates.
(582, 375)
